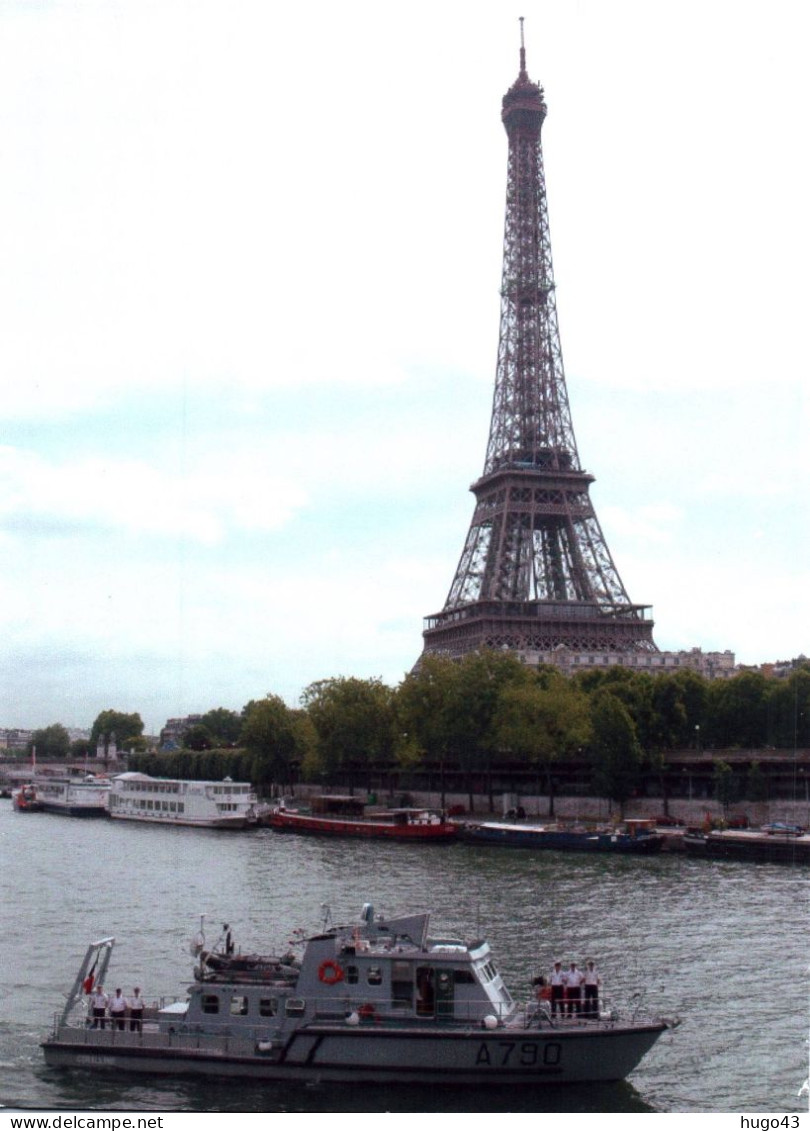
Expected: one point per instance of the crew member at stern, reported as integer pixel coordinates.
(590, 1006)
(557, 983)
(573, 989)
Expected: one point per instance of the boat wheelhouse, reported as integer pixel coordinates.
(202, 804)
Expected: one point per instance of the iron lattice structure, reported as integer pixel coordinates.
(535, 573)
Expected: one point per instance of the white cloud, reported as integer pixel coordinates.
(249, 270)
(105, 493)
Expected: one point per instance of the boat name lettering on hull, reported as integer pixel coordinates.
(523, 1054)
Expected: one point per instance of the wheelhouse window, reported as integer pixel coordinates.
(239, 1005)
(402, 985)
(210, 1003)
(268, 1006)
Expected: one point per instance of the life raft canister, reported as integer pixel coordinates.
(330, 973)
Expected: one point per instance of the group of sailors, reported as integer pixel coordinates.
(572, 992)
(117, 1007)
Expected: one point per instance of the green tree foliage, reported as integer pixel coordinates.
(633, 689)
(789, 710)
(475, 692)
(425, 719)
(737, 712)
(669, 714)
(223, 726)
(80, 748)
(541, 719)
(756, 785)
(354, 721)
(276, 740)
(693, 694)
(465, 716)
(127, 729)
(52, 743)
(193, 765)
(725, 786)
(423, 706)
(198, 737)
(615, 750)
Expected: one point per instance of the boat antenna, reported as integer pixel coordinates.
(197, 944)
(326, 915)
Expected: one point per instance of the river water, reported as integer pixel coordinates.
(722, 945)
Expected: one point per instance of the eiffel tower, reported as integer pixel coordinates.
(535, 575)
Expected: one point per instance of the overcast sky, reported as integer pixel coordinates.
(249, 269)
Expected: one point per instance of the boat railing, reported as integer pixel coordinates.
(159, 1030)
(601, 1013)
(152, 1037)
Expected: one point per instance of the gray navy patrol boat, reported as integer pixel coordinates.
(378, 1000)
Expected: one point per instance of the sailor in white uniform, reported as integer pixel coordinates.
(557, 982)
(136, 1011)
(592, 980)
(118, 1009)
(573, 989)
(98, 1007)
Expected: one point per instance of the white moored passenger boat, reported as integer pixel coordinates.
(202, 804)
(85, 796)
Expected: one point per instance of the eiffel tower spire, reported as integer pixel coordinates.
(535, 573)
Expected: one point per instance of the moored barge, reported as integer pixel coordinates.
(762, 847)
(332, 815)
(636, 838)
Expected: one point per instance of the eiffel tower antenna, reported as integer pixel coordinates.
(535, 573)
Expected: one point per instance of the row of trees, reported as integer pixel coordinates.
(53, 744)
(489, 710)
(476, 715)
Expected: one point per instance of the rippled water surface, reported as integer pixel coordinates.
(722, 945)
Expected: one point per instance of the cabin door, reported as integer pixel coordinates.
(434, 991)
(444, 993)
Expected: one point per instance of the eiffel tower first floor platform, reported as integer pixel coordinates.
(539, 627)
